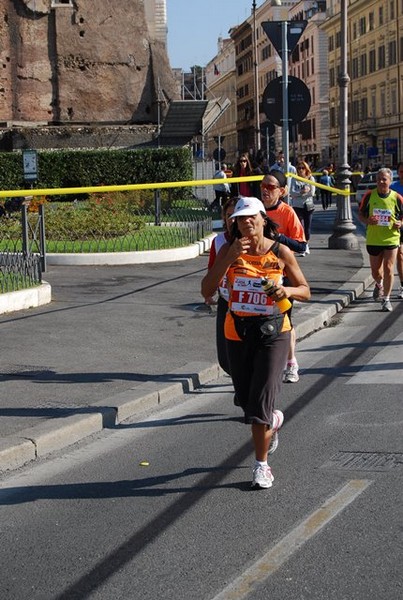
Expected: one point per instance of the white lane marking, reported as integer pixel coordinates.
(385, 368)
(285, 548)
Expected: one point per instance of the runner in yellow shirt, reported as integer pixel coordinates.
(381, 210)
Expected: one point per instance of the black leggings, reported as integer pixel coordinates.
(257, 373)
(222, 351)
(305, 216)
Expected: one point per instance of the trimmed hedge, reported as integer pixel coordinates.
(79, 168)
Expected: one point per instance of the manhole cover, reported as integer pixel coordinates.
(364, 461)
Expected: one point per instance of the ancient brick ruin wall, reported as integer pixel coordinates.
(73, 137)
(91, 62)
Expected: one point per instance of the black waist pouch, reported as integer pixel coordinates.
(258, 330)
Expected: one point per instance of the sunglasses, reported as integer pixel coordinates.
(243, 160)
(269, 186)
(300, 168)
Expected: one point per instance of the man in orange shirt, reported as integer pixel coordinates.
(291, 234)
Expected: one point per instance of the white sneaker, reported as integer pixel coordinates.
(307, 251)
(400, 292)
(262, 477)
(291, 374)
(386, 306)
(377, 293)
(278, 420)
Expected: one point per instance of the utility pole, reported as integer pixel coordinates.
(343, 235)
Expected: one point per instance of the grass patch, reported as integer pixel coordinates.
(151, 238)
(13, 282)
(122, 223)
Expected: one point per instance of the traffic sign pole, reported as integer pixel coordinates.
(219, 153)
(285, 128)
(284, 45)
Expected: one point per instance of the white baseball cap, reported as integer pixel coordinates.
(246, 207)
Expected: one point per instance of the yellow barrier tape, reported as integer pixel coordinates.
(320, 185)
(149, 186)
(120, 188)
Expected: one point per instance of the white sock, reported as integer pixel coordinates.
(261, 463)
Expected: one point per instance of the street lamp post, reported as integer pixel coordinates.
(256, 79)
(343, 236)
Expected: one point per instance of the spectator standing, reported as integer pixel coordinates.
(331, 169)
(397, 186)
(381, 210)
(326, 195)
(279, 165)
(256, 358)
(243, 168)
(228, 170)
(221, 190)
(303, 199)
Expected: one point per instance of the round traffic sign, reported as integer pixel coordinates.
(219, 155)
(267, 128)
(299, 100)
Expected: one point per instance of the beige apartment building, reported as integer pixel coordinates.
(308, 62)
(375, 91)
(240, 120)
(375, 62)
(220, 85)
(256, 63)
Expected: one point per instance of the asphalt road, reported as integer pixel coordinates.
(109, 328)
(93, 522)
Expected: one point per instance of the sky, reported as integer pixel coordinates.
(194, 27)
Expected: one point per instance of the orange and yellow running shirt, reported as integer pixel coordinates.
(246, 296)
(287, 221)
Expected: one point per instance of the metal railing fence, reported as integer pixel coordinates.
(79, 227)
(19, 271)
(98, 224)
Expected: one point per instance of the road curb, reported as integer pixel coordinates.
(317, 315)
(141, 257)
(55, 434)
(25, 299)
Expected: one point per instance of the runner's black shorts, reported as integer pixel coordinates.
(376, 250)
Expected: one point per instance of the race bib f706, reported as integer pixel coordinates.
(247, 296)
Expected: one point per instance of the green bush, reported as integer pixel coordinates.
(85, 168)
(98, 217)
(10, 231)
